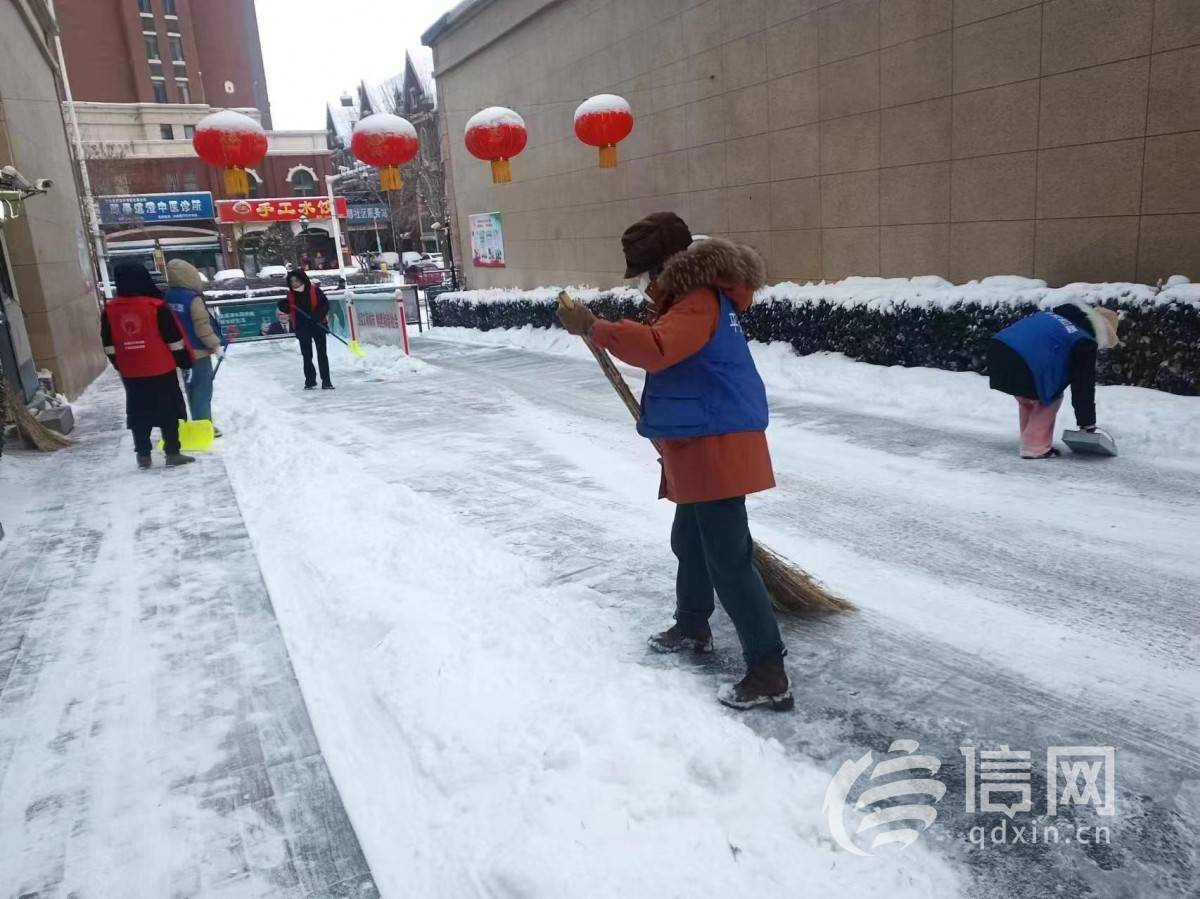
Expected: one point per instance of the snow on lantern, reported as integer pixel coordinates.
(387, 142)
(234, 141)
(604, 121)
(496, 134)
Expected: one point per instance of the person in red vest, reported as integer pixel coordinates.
(308, 308)
(144, 344)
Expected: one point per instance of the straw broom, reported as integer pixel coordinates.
(792, 589)
(33, 430)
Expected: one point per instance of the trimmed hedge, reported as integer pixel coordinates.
(946, 329)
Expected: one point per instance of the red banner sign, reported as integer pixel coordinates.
(280, 209)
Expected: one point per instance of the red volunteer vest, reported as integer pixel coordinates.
(140, 349)
(312, 305)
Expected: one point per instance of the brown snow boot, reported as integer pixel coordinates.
(676, 639)
(766, 683)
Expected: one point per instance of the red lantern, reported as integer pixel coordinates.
(386, 141)
(604, 121)
(496, 134)
(234, 141)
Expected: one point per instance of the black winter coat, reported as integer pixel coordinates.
(155, 401)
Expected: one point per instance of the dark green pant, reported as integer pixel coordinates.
(712, 542)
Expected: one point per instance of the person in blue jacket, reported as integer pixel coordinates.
(185, 297)
(1036, 359)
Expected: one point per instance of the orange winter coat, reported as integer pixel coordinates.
(696, 469)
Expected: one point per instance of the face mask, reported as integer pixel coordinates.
(643, 282)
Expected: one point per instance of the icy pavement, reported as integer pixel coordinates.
(465, 554)
(153, 738)
(1003, 603)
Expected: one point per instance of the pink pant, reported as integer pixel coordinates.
(1037, 425)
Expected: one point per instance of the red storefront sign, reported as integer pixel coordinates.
(281, 209)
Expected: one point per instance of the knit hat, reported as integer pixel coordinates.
(181, 273)
(1105, 323)
(652, 241)
(134, 281)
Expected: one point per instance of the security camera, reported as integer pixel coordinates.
(14, 180)
(43, 184)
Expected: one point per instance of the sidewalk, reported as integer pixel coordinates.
(153, 737)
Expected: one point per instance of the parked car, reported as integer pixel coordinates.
(229, 274)
(273, 271)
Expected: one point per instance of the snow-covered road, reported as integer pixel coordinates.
(464, 554)
(1003, 603)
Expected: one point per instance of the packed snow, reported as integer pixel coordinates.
(464, 555)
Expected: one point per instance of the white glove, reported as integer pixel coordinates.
(219, 352)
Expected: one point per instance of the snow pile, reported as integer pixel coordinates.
(1146, 422)
(489, 734)
(387, 363)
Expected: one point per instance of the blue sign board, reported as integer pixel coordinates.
(365, 213)
(138, 208)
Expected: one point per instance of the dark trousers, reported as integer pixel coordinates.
(715, 551)
(170, 436)
(307, 339)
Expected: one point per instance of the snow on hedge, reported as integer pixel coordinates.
(888, 293)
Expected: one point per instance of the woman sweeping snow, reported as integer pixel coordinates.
(1036, 359)
(705, 408)
(308, 308)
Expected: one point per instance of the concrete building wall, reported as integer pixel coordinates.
(964, 138)
(46, 247)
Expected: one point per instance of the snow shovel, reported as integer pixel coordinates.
(1090, 443)
(351, 345)
(197, 436)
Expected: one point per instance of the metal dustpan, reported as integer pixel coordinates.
(195, 436)
(1091, 443)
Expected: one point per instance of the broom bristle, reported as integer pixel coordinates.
(37, 433)
(792, 589)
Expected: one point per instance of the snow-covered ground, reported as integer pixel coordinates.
(465, 556)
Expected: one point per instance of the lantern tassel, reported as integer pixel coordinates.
(390, 179)
(608, 156)
(501, 171)
(237, 184)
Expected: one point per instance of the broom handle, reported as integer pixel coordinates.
(609, 368)
(319, 325)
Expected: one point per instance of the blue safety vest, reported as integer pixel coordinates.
(715, 391)
(1045, 340)
(180, 301)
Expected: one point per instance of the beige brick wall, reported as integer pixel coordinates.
(1051, 138)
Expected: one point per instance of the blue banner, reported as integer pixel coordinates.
(138, 208)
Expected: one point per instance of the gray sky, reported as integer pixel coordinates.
(315, 49)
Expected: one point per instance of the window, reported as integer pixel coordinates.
(145, 8)
(156, 70)
(160, 91)
(185, 93)
(176, 44)
(151, 43)
(166, 132)
(169, 8)
(303, 183)
(189, 131)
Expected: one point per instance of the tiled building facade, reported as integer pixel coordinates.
(962, 138)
